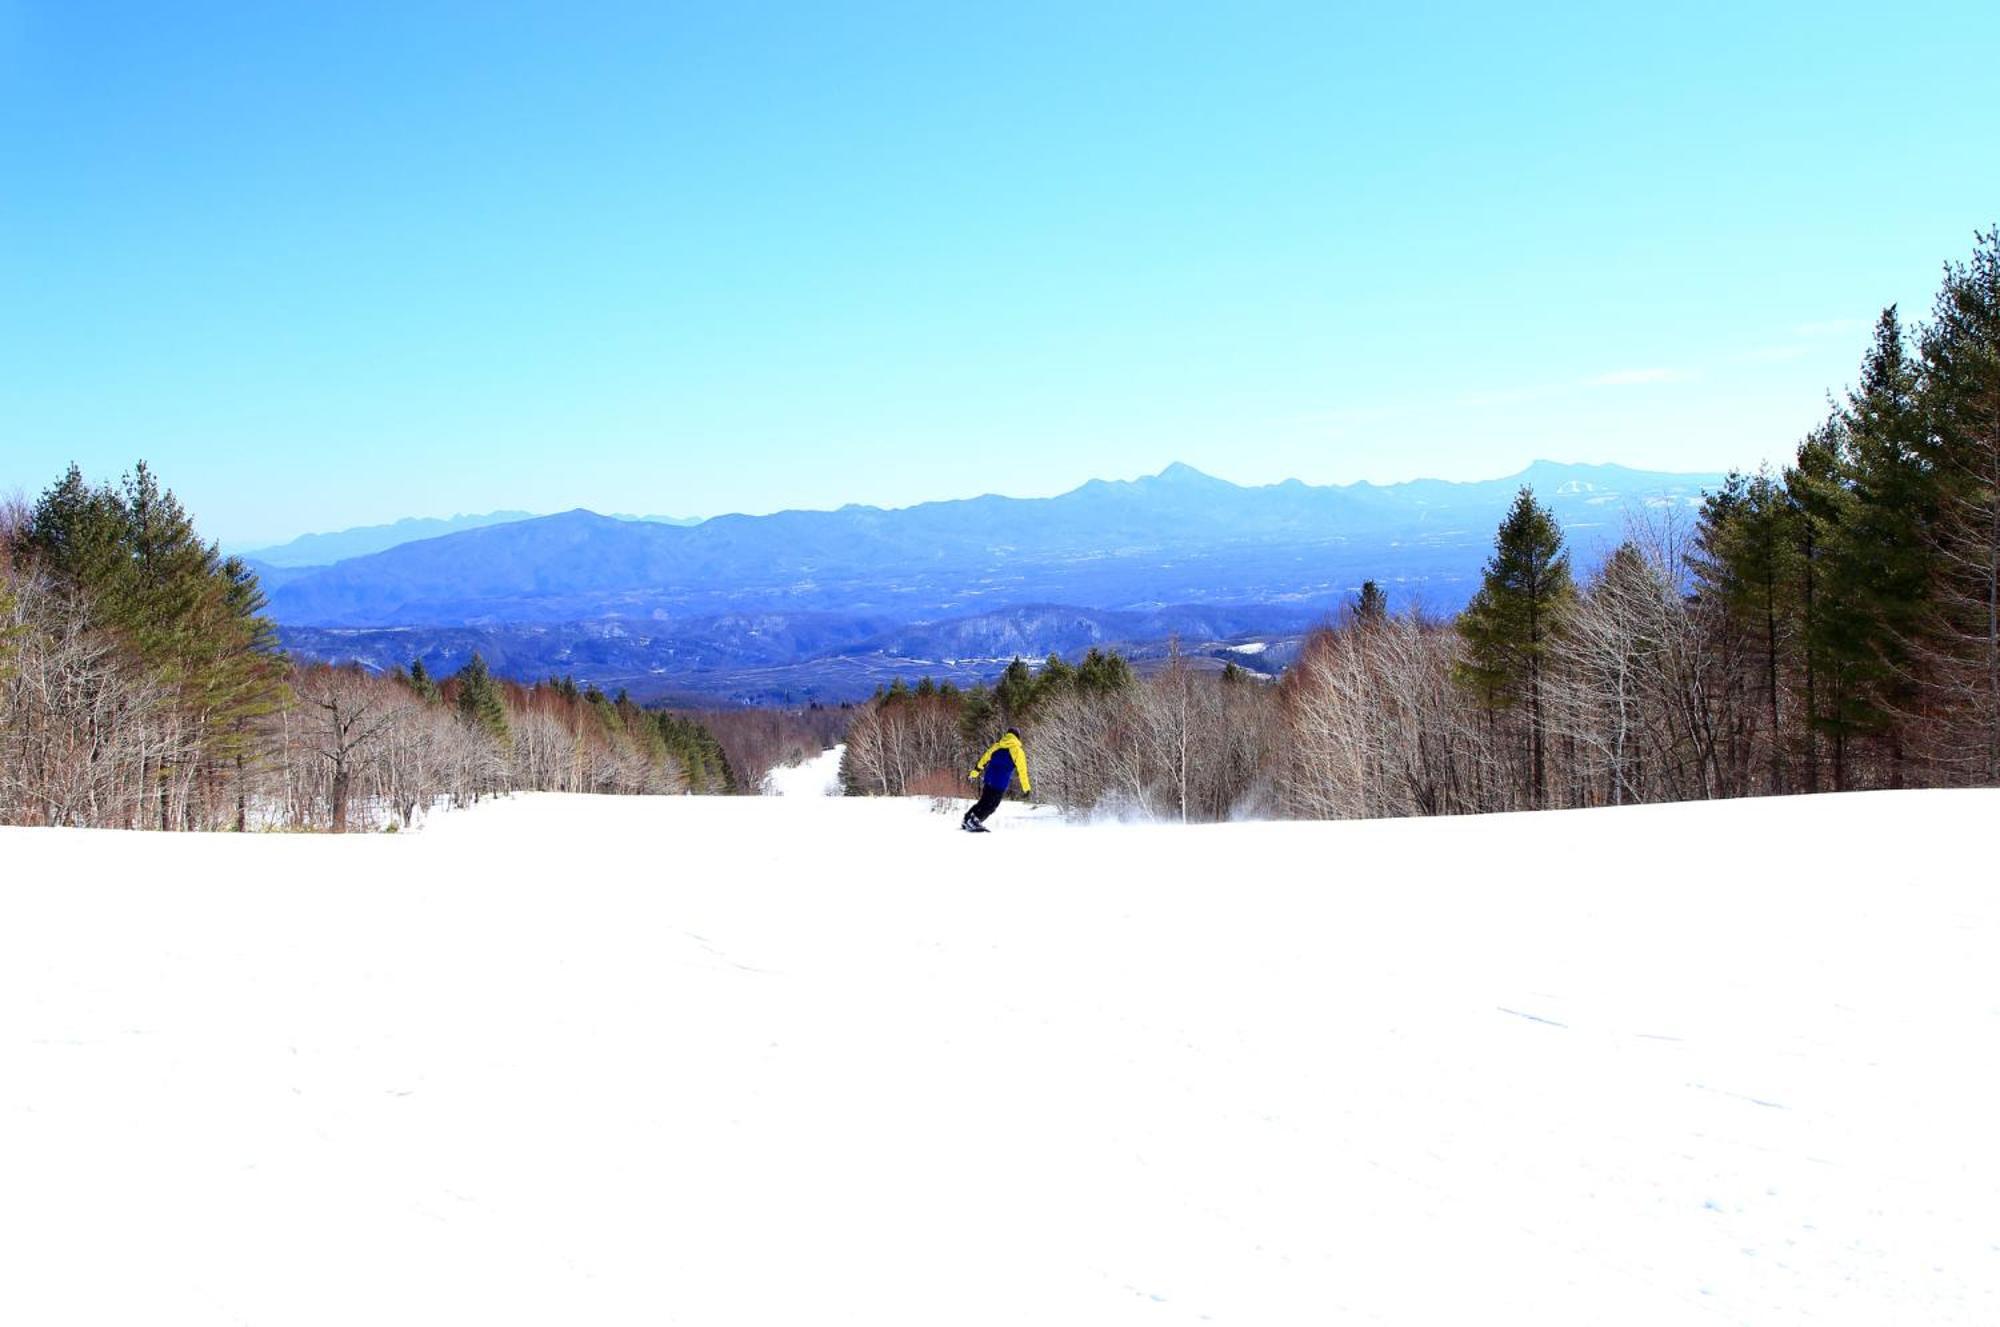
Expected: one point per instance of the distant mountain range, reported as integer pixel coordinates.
(319, 550)
(825, 604)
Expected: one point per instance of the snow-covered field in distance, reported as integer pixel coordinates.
(812, 1060)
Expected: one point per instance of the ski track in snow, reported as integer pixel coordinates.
(814, 1060)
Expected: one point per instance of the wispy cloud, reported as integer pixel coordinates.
(1636, 377)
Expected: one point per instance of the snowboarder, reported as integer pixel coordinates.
(1003, 762)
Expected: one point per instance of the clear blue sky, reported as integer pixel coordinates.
(326, 265)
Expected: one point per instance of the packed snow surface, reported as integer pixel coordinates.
(798, 1060)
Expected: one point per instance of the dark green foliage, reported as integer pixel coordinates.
(82, 535)
(422, 682)
(1371, 606)
(1885, 555)
(1746, 560)
(191, 680)
(1820, 505)
(1020, 689)
(1961, 390)
(978, 714)
(1518, 610)
(907, 741)
(700, 756)
(239, 675)
(192, 618)
(1015, 691)
(1743, 555)
(1103, 672)
(1015, 694)
(1516, 618)
(479, 701)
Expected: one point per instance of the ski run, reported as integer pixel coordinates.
(813, 1060)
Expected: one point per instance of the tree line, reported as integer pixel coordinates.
(1834, 625)
(141, 686)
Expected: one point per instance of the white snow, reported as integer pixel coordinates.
(798, 1060)
(1253, 647)
(817, 777)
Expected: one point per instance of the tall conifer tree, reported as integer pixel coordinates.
(1515, 618)
(1371, 606)
(1961, 375)
(479, 699)
(1744, 558)
(1884, 554)
(1820, 503)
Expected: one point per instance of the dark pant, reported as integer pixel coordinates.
(989, 801)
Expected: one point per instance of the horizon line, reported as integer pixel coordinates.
(248, 547)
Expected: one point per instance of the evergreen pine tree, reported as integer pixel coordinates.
(1015, 691)
(1819, 503)
(79, 534)
(1371, 606)
(1514, 619)
(191, 619)
(977, 717)
(1103, 671)
(1744, 559)
(242, 681)
(1056, 676)
(479, 699)
(1884, 552)
(421, 681)
(1961, 400)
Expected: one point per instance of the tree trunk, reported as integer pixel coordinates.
(1812, 702)
(1993, 634)
(1771, 683)
(338, 796)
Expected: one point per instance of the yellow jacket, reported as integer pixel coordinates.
(1012, 761)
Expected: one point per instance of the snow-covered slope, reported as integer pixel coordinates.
(818, 777)
(806, 1060)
